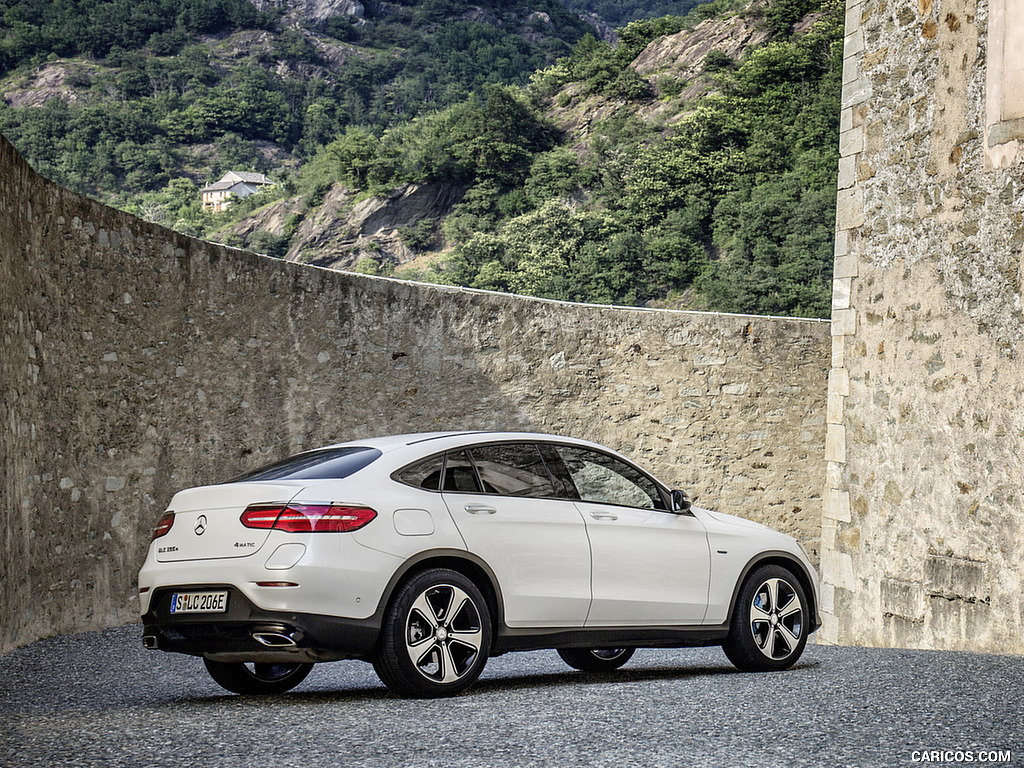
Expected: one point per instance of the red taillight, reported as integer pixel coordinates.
(164, 526)
(307, 518)
(261, 515)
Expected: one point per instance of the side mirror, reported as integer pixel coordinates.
(680, 503)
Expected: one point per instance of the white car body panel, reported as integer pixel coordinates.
(538, 550)
(324, 588)
(733, 548)
(216, 509)
(650, 566)
(413, 511)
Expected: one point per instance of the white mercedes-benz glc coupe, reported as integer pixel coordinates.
(425, 554)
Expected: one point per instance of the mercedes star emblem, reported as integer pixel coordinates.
(201, 525)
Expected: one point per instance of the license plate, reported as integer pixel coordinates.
(199, 602)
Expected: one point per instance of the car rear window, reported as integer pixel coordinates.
(323, 464)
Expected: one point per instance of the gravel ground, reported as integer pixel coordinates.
(100, 699)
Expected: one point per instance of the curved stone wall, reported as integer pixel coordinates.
(136, 361)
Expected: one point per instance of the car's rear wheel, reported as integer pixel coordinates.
(596, 659)
(769, 625)
(258, 678)
(435, 637)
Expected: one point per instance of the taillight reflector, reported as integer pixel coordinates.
(307, 518)
(164, 526)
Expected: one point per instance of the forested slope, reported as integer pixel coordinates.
(654, 171)
(132, 94)
(495, 145)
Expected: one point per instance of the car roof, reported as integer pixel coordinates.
(444, 440)
(405, 448)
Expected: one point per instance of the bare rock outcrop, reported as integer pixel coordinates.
(51, 80)
(339, 233)
(315, 11)
(682, 54)
(404, 207)
(677, 59)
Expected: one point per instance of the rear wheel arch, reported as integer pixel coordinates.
(473, 568)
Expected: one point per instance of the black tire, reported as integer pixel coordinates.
(258, 679)
(768, 630)
(596, 659)
(435, 637)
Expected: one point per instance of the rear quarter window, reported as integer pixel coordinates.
(424, 474)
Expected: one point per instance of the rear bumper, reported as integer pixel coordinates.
(232, 635)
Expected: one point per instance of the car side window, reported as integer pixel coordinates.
(423, 474)
(513, 469)
(560, 476)
(606, 480)
(459, 475)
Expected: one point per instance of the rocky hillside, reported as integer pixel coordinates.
(673, 73)
(692, 164)
(314, 12)
(345, 231)
(119, 97)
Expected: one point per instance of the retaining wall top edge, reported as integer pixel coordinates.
(9, 148)
(523, 297)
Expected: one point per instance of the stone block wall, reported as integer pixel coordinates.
(136, 361)
(924, 510)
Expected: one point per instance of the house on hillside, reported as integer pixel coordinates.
(217, 196)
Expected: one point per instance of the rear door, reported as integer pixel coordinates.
(650, 566)
(503, 501)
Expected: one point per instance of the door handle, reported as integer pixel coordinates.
(480, 509)
(604, 516)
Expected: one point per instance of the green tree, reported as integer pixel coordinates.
(613, 271)
(543, 246)
(353, 154)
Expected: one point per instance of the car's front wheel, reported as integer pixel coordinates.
(436, 636)
(259, 678)
(596, 659)
(769, 625)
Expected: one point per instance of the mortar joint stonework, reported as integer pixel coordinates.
(850, 216)
(923, 503)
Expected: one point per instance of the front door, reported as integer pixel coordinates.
(650, 565)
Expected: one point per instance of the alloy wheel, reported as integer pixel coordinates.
(443, 633)
(776, 619)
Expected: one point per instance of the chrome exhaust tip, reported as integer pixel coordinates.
(151, 642)
(274, 637)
